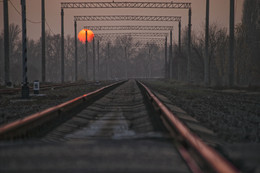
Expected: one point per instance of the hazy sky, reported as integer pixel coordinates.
(219, 13)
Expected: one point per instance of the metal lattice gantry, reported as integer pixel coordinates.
(141, 34)
(148, 5)
(128, 18)
(176, 5)
(96, 28)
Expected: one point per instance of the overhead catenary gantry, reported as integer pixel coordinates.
(178, 5)
(140, 27)
(149, 5)
(143, 39)
(95, 28)
(132, 34)
(135, 18)
(131, 18)
(141, 43)
(128, 18)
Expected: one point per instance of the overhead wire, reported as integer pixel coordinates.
(49, 27)
(29, 20)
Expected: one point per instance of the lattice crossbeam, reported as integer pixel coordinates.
(128, 18)
(170, 5)
(95, 28)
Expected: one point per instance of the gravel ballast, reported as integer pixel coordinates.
(13, 107)
(233, 114)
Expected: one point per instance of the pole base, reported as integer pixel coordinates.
(25, 92)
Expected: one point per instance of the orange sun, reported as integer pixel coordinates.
(82, 35)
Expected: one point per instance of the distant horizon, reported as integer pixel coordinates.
(219, 8)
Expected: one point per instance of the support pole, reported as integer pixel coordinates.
(179, 58)
(94, 61)
(76, 51)
(150, 63)
(126, 71)
(231, 42)
(107, 62)
(179, 36)
(43, 41)
(170, 58)
(6, 42)
(189, 48)
(206, 64)
(86, 44)
(98, 56)
(25, 88)
(165, 59)
(62, 45)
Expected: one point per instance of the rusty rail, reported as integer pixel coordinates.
(211, 156)
(23, 127)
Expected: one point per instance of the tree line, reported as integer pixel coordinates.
(247, 52)
(125, 58)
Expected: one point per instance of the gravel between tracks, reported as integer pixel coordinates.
(233, 114)
(13, 107)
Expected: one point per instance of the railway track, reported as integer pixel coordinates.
(123, 127)
(42, 87)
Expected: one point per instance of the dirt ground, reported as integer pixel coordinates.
(234, 114)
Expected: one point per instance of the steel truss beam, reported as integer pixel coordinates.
(128, 18)
(129, 27)
(169, 5)
(144, 34)
(151, 5)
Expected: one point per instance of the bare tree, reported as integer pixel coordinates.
(251, 32)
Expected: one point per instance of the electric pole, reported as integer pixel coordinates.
(76, 51)
(165, 59)
(170, 56)
(86, 55)
(6, 42)
(25, 88)
(231, 43)
(179, 36)
(189, 48)
(62, 45)
(43, 40)
(126, 64)
(206, 64)
(98, 57)
(94, 61)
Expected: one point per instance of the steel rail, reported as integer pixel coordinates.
(212, 157)
(169, 5)
(23, 126)
(128, 18)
